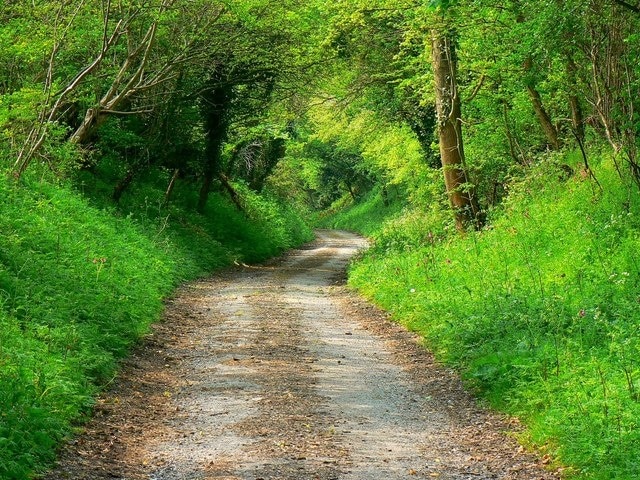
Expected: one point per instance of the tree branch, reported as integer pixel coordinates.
(628, 6)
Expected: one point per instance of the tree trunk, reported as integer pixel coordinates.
(170, 187)
(544, 119)
(549, 129)
(207, 181)
(448, 113)
(385, 196)
(351, 191)
(90, 123)
(235, 198)
(216, 101)
(122, 185)
(577, 118)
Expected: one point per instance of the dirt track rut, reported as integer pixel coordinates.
(278, 372)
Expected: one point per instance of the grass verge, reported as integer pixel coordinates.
(539, 312)
(81, 281)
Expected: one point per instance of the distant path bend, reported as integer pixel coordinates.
(277, 372)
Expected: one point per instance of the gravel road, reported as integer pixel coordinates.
(278, 372)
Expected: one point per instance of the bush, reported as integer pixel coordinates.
(365, 216)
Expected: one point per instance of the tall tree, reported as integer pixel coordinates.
(129, 63)
(544, 119)
(386, 49)
(216, 105)
(449, 123)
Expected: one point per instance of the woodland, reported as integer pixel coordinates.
(488, 148)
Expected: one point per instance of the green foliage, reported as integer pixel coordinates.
(327, 105)
(539, 311)
(364, 216)
(73, 301)
(270, 217)
(80, 283)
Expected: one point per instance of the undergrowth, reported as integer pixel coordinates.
(81, 281)
(364, 216)
(540, 311)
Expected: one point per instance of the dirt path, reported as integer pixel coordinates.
(277, 372)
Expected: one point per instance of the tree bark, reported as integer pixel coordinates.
(235, 198)
(170, 187)
(544, 119)
(549, 129)
(123, 184)
(205, 189)
(138, 73)
(39, 132)
(577, 117)
(448, 113)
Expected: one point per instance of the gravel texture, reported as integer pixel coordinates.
(277, 371)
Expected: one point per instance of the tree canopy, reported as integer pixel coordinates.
(142, 80)
(447, 115)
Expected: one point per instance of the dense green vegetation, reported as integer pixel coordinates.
(538, 311)
(80, 282)
(135, 141)
(489, 148)
(533, 297)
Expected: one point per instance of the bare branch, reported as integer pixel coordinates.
(128, 112)
(477, 88)
(628, 6)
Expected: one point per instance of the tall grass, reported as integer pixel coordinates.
(540, 311)
(364, 216)
(81, 281)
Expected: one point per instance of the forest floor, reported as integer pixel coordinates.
(278, 371)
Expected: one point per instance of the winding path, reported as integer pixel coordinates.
(277, 372)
